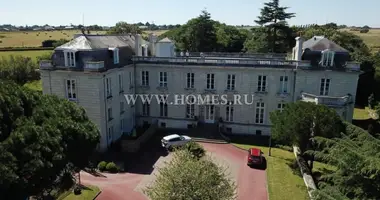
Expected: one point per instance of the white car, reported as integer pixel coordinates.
(175, 140)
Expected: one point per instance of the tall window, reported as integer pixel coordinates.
(190, 80)
(283, 84)
(116, 56)
(71, 89)
(69, 58)
(210, 81)
(260, 109)
(280, 106)
(121, 83)
(122, 107)
(146, 109)
(163, 109)
(122, 125)
(327, 58)
(163, 79)
(229, 112)
(110, 132)
(109, 112)
(231, 82)
(190, 108)
(108, 87)
(130, 79)
(145, 78)
(261, 84)
(325, 86)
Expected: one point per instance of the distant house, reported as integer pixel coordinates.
(143, 27)
(69, 27)
(48, 28)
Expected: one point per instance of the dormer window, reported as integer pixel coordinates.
(115, 53)
(69, 58)
(328, 58)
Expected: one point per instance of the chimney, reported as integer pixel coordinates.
(138, 46)
(298, 49)
(152, 44)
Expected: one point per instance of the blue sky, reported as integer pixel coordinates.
(235, 12)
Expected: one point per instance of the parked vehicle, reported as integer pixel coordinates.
(174, 140)
(255, 157)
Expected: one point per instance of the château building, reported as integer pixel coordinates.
(96, 71)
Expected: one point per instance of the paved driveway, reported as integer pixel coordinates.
(251, 183)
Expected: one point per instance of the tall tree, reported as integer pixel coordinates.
(300, 122)
(41, 137)
(356, 157)
(274, 17)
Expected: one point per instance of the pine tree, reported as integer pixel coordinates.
(274, 17)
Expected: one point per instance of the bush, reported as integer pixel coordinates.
(102, 166)
(364, 30)
(195, 149)
(77, 190)
(111, 167)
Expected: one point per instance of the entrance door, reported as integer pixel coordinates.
(209, 114)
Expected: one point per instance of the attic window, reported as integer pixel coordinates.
(328, 58)
(69, 58)
(115, 55)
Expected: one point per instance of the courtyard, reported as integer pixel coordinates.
(130, 184)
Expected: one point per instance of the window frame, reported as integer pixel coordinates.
(163, 79)
(324, 86)
(210, 81)
(190, 80)
(261, 83)
(231, 82)
(260, 112)
(71, 89)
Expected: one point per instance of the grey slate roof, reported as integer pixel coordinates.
(89, 42)
(319, 43)
(165, 40)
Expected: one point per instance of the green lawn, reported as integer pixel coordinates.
(88, 193)
(361, 114)
(31, 54)
(283, 182)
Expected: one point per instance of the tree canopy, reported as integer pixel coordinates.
(356, 155)
(19, 69)
(124, 28)
(202, 34)
(41, 136)
(273, 17)
(186, 177)
(298, 122)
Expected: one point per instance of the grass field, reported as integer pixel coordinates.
(372, 38)
(31, 54)
(35, 38)
(283, 181)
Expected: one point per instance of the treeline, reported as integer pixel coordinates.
(275, 36)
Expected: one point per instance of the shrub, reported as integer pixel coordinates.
(77, 190)
(364, 30)
(111, 167)
(102, 166)
(195, 149)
